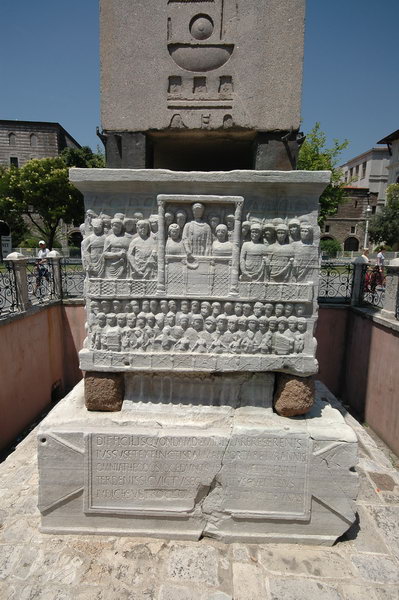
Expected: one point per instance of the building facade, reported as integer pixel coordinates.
(21, 141)
(369, 170)
(348, 225)
(392, 142)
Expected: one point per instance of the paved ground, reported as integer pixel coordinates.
(363, 566)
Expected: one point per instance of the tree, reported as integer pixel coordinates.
(41, 190)
(83, 158)
(9, 211)
(314, 156)
(384, 227)
(330, 247)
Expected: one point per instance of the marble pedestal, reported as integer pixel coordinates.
(186, 471)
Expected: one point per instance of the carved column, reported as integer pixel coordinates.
(235, 259)
(161, 248)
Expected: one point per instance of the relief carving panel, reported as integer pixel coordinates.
(201, 277)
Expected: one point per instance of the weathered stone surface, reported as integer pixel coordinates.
(181, 471)
(288, 589)
(129, 568)
(379, 569)
(200, 272)
(294, 395)
(104, 391)
(243, 73)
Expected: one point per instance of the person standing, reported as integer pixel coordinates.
(381, 265)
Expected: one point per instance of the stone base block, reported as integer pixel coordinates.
(178, 471)
(104, 391)
(294, 395)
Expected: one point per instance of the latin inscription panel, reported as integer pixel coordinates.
(150, 474)
(267, 476)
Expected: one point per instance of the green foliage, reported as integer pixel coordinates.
(83, 158)
(41, 190)
(330, 248)
(384, 227)
(314, 156)
(9, 211)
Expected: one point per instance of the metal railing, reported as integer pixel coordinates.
(335, 282)
(8, 289)
(24, 283)
(72, 277)
(40, 279)
(372, 286)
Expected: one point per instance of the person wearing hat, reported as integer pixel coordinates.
(41, 264)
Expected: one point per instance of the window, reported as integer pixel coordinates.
(12, 139)
(33, 140)
(357, 170)
(373, 210)
(364, 166)
(13, 161)
(351, 172)
(326, 228)
(353, 229)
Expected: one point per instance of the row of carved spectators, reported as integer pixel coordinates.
(65, 279)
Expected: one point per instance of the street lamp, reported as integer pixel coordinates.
(369, 212)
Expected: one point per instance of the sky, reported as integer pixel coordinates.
(49, 68)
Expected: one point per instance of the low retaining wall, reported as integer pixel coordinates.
(39, 363)
(357, 354)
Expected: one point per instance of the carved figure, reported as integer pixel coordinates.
(112, 334)
(230, 222)
(282, 343)
(99, 331)
(153, 220)
(300, 309)
(130, 227)
(258, 309)
(306, 255)
(293, 228)
(174, 244)
(282, 256)
(168, 220)
(197, 235)
(181, 219)
(221, 246)
(115, 249)
(245, 231)
(106, 219)
(299, 343)
(142, 253)
(269, 234)
(252, 258)
(92, 249)
(214, 221)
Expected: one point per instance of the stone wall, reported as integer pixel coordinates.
(26, 140)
